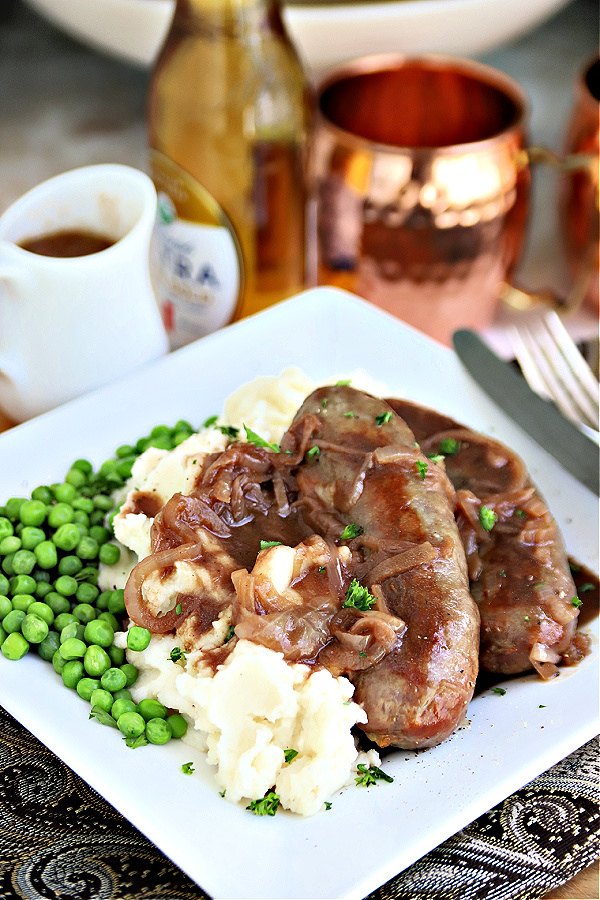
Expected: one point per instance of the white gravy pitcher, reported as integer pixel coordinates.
(69, 325)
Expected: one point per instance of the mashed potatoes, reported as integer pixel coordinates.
(255, 706)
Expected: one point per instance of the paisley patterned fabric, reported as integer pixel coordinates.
(60, 839)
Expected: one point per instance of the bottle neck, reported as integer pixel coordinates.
(237, 17)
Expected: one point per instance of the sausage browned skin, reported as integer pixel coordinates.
(520, 576)
(369, 473)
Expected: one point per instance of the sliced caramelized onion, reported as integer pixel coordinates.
(542, 653)
(546, 670)
(401, 562)
(137, 608)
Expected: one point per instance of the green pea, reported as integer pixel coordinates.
(42, 589)
(12, 622)
(152, 709)
(86, 593)
(73, 630)
(23, 562)
(42, 493)
(45, 554)
(72, 672)
(112, 620)
(49, 646)
(85, 612)
(116, 603)
(131, 724)
(123, 705)
(57, 603)
(6, 528)
(86, 687)
(32, 512)
(102, 600)
(4, 584)
(7, 564)
(67, 536)
(122, 694)
(102, 699)
(58, 662)
(32, 536)
(138, 638)
(84, 465)
(82, 520)
(76, 478)
(13, 507)
(113, 679)
(125, 467)
(102, 502)
(83, 504)
(22, 584)
(109, 554)
(125, 450)
(178, 725)
(22, 601)
(117, 655)
(10, 544)
(65, 585)
(2, 635)
(15, 646)
(89, 574)
(131, 673)
(70, 564)
(72, 648)
(87, 548)
(96, 661)
(158, 731)
(63, 618)
(5, 606)
(34, 629)
(99, 632)
(37, 608)
(60, 514)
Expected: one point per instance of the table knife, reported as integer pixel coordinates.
(540, 418)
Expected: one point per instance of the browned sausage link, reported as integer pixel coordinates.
(372, 474)
(520, 572)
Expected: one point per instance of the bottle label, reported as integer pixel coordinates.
(195, 259)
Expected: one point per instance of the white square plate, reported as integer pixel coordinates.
(369, 835)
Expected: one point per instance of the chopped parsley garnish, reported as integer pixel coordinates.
(348, 415)
(487, 518)
(176, 654)
(324, 402)
(229, 431)
(576, 602)
(542, 706)
(520, 512)
(436, 458)
(230, 634)
(103, 717)
(370, 775)
(498, 690)
(210, 421)
(178, 609)
(140, 741)
(187, 768)
(351, 531)
(588, 586)
(327, 805)
(422, 468)
(343, 382)
(266, 806)
(449, 446)
(253, 438)
(384, 417)
(290, 755)
(358, 597)
(264, 545)
(314, 451)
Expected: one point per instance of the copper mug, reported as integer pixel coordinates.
(578, 201)
(421, 176)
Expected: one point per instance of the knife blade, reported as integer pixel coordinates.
(540, 418)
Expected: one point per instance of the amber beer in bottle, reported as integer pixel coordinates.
(228, 116)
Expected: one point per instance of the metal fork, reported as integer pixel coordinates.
(555, 369)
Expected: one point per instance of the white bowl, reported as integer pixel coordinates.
(325, 36)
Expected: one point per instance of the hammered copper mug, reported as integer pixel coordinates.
(421, 177)
(578, 201)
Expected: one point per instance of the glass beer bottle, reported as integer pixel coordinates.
(228, 117)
